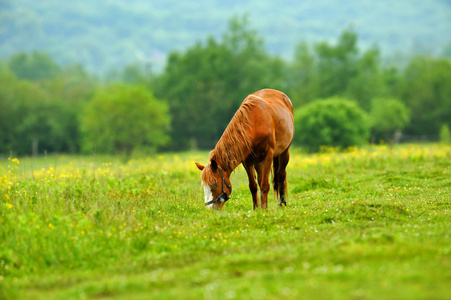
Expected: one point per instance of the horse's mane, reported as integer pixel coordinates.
(235, 142)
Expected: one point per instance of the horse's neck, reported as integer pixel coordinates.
(223, 162)
(229, 161)
(234, 146)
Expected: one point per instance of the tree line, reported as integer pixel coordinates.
(45, 106)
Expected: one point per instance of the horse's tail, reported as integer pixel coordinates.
(279, 177)
(275, 179)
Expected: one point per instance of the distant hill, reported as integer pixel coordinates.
(109, 34)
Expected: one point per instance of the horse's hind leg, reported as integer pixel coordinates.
(252, 184)
(263, 171)
(275, 180)
(280, 177)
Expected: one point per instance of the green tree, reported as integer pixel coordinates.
(426, 90)
(33, 66)
(69, 92)
(199, 102)
(30, 118)
(368, 81)
(8, 110)
(334, 122)
(303, 78)
(134, 74)
(392, 81)
(336, 65)
(205, 85)
(121, 118)
(445, 134)
(388, 116)
(336, 70)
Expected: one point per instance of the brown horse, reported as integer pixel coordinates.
(259, 134)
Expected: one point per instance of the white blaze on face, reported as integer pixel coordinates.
(208, 194)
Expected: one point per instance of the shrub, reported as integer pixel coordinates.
(334, 122)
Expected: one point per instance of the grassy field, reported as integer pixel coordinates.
(370, 223)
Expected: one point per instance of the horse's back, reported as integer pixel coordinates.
(275, 97)
(277, 115)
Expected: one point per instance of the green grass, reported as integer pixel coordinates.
(371, 223)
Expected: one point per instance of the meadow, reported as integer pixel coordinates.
(365, 223)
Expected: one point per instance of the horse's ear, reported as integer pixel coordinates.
(199, 166)
(214, 165)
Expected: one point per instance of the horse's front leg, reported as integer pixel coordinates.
(252, 183)
(263, 172)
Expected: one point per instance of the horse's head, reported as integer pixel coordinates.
(216, 184)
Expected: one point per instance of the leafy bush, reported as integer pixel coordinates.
(333, 122)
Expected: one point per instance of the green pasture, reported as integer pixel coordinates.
(367, 223)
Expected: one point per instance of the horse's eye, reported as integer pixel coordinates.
(213, 186)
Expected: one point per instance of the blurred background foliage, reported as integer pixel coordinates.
(53, 106)
(111, 34)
